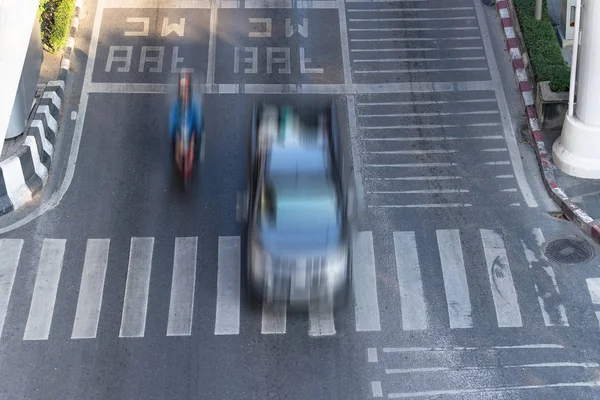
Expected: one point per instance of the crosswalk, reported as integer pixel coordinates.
(449, 256)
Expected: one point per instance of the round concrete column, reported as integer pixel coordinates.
(577, 151)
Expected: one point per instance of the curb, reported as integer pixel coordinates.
(575, 214)
(25, 173)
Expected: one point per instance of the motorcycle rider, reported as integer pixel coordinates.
(188, 107)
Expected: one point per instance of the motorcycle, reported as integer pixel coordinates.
(184, 156)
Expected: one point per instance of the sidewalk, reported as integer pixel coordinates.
(585, 193)
(579, 199)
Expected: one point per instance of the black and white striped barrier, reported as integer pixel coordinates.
(25, 173)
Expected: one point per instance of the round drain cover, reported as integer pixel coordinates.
(569, 251)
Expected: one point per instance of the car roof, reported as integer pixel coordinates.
(293, 157)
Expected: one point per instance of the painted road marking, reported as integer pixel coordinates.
(135, 303)
(376, 389)
(309, 88)
(320, 319)
(506, 302)
(366, 305)
(414, 309)
(181, 308)
(273, 318)
(455, 279)
(10, 254)
(593, 285)
(547, 296)
(509, 132)
(227, 320)
(91, 289)
(45, 289)
(412, 299)
(372, 354)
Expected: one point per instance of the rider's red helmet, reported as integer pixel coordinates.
(184, 83)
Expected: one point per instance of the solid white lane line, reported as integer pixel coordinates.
(508, 129)
(377, 60)
(410, 39)
(317, 88)
(424, 191)
(455, 279)
(433, 114)
(227, 321)
(435, 138)
(430, 126)
(212, 43)
(366, 305)
(320, 319)
(273, 318)
(484, 348)
(504, 294)
(135, 303)
(396, 49)
(345, 43)
(387, 10)
(417, 70)
(416, 178)
(457, 28)
(594, 384)
(593, 285)
(183, 285)
(300, 4)
(425, 102)
(45, 289)
(91, 289)
(412, 165)
(10, 254)
(432, 205)
(390, 371)
(410, 19)
(412, 299)
(413, 152)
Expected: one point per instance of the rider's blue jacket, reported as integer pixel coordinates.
(194, 122)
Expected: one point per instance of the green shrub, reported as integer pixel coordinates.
(542, 45)
(55, 19)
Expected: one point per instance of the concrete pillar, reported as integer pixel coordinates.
(577, 151)
(16, 23)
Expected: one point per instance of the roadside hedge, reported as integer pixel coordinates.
(542, 45)
(55, 20)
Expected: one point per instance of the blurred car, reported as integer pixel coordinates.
(300, 210)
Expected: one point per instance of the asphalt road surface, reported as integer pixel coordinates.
(114, 284)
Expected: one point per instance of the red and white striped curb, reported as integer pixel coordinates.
(586, 223)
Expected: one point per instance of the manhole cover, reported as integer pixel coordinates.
(569, 251)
